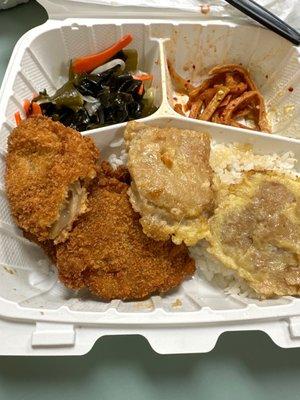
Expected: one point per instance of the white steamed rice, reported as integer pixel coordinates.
(117, 161)
(229, 162)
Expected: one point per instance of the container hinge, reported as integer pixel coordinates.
(295, 326)
(53, 334)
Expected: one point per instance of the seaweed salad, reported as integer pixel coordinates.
(103, 89)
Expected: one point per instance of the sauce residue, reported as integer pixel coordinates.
(205, 9)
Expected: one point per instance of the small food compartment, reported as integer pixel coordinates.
(84, 91)
(197, 53)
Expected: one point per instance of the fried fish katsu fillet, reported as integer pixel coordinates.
(48, 170)
(256, 232)
(108, 253)
(171, 181)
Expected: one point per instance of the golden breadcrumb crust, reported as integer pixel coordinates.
(44, 158)
(108, 252)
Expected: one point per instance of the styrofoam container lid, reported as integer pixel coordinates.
(167, 9)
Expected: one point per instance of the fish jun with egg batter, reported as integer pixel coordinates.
(255, 231)
(171, 181)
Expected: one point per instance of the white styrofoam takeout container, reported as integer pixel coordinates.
(38, 316)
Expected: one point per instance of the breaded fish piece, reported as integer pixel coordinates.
(256, 232)
(108, 253)
(48, 170)
(171, 181)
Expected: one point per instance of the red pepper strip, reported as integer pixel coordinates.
(26, 106)
(141, 90)
(92, 61)
(18, 118)
(36, 109)
(143, 77)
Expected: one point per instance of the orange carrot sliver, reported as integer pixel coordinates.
(92, 61)
(18, 118)
(141, 89)
(143, 77)
(36, 109)
(26, 106)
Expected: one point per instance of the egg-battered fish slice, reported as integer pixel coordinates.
(171, 181)
(256, 232)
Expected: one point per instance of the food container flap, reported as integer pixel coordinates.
(166, 9)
